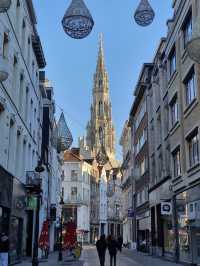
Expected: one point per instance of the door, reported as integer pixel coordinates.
(195, 232)
(29, 233)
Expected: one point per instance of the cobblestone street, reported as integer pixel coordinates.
(126, 258)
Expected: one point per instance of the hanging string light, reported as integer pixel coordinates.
(144, 14)
(64, 136)
(77, 21)
(4, 5)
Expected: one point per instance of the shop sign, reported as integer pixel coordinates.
(32, 202)
(166, 208)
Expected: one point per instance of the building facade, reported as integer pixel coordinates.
(76, 192)
(127, 185)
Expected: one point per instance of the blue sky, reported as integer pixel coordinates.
(72, 63)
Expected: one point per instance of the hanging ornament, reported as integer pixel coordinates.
(64, 135)
(144, 14)
(4, 5)
(77, 21)
(193, 45)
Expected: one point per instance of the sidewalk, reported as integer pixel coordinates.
(53, 261)
(144, 259)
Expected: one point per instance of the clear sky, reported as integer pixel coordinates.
(72, 63)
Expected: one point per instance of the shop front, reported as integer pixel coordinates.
(143, 222)
(17, 221)
(162, 241)
(6, 181)
(188, 223)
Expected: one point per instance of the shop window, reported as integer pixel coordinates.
(187, 29)
(172, 61)
(193, 146)
(190, 87)
(174, 110)
(177, 162)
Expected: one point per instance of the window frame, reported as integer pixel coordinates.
(190, 84)
(193, 148)
(172, 61)
(174, 110)
(187, 28)
(176, 155)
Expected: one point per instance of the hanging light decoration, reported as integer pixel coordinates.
(4, 5)
(64, 136)
(193, 46)
(144, 14)
(77, 21)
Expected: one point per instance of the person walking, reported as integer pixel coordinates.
(120, 243)
(4, 249)
(101, 246)
(112, 248)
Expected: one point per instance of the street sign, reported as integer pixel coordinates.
(130, 213)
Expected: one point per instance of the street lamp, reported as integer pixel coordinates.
(144, 14)
(4, 5)
(37, 191)
(77, 21)
(60, 256)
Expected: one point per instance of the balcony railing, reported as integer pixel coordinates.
(78, 201)
(33, 178)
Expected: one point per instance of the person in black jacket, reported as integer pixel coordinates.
(112, 248)
(120, 243)
(101, 249)
(4, 249)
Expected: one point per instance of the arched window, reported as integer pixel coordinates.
(101, 135)
(100, 108)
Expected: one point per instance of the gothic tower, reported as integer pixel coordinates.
(100, 129)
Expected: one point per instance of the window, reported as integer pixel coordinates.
(172, 62)
(190, 87)
(74, 193)
(187, 30)
(177, 162)
(5, 45)
(193, 144)
(140, 115)
(74, 176)
(174, 111)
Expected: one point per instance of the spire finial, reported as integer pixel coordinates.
(100, 63)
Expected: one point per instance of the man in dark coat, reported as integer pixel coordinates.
(120, 243)
(101, 249)
(112, 248)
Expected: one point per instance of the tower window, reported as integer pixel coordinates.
(101, 135)
(100, 108)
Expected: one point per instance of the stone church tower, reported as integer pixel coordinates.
(100, 129)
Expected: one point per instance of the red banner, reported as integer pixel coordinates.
(44, 236)
(70, 238)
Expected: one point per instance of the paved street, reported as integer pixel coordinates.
(126, 258)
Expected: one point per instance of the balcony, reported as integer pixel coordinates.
(4, 68)
(76, 201)
(33, 178)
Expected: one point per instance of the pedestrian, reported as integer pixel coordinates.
(112, 248)
(120, 243)
(4, 249)
(101, 249)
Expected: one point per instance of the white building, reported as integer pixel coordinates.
(21, 57)
(103, 204)
(76, 191)
(24, 99)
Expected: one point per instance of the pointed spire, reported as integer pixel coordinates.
(100, 62)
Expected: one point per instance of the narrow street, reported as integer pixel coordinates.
(126, 258)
